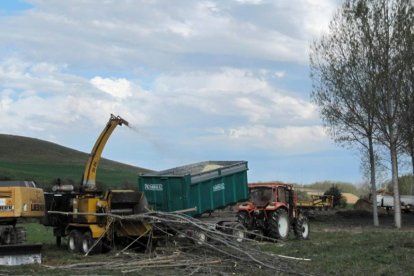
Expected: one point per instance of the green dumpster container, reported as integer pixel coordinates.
(207, 186)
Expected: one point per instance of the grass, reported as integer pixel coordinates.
(371, 252)
(337, 246)
(23, 158)
(44, 174)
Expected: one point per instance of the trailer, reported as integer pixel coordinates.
(387, 202)
(199, 189)
(202, 187)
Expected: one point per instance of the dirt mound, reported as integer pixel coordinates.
(363, 204)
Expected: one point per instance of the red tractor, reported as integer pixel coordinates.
(272, 211)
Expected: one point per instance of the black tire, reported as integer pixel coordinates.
(106, 246)
(88, 242)
(244, 218)
(302, 228)
(239, 232)
(279, 225)
(74, 241)
(58, 241)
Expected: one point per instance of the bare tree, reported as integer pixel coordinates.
(406, 44)
(391, 24)
(344, 82)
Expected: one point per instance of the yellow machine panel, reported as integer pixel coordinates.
(21, 202)
(87, 205)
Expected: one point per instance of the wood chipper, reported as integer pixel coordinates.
(92, 220)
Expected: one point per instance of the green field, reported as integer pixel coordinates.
(45, 174)
(338, 245)
(23, 158)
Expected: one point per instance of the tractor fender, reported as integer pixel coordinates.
(275, 206)
(248, 207)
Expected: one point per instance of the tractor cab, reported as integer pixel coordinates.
(262, 195)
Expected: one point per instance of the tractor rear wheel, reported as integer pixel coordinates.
(279, 225)
(301, 228)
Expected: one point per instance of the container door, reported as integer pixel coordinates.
(175, 193)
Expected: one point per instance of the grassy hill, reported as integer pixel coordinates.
(23, 158)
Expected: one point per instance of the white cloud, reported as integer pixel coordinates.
(236, 92)
(280, 74)
(48, 78)
(292, 140)
(238, 99)
(156, 34)
(120, 88)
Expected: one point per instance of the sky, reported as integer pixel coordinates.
(196, 80)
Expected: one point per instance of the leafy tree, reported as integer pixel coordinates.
(359, 72)
(337, 195)
(406, 44)
(392, 20)
(343, 186)
(344, 83)
(343, 202)
(404, 183)
(302, 195)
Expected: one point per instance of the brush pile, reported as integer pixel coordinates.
(182, 245)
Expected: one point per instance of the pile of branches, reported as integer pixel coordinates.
(185, 245)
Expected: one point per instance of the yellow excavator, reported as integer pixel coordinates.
(18, 200)
(85, 217)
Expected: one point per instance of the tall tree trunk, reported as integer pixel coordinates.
(373, 182)
(412, 164)
(394, 169)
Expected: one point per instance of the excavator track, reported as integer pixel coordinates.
(12, 249)
(12, 235)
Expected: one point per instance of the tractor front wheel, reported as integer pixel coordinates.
(239, 232)
(279, 225)
(301, 228)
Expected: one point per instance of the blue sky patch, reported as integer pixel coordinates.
(12, 7)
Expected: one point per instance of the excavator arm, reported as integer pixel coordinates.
(89, 175)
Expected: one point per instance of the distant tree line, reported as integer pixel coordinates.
(363, 79)
(344, 187)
